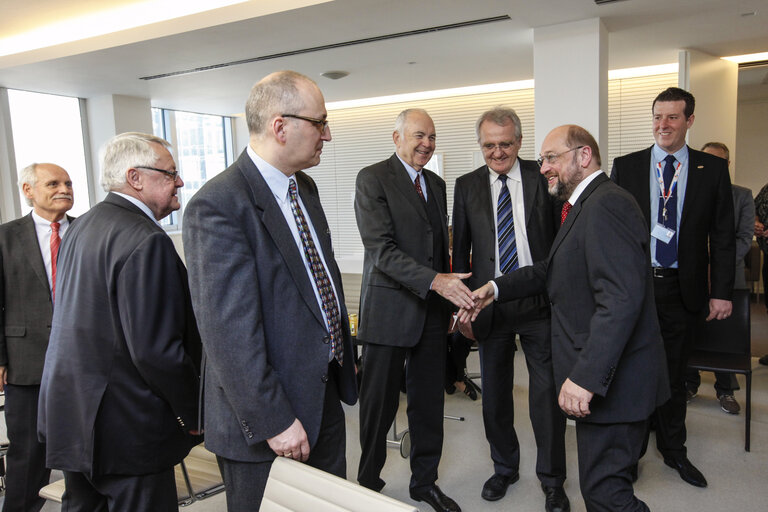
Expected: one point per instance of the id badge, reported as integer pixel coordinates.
(662, 233)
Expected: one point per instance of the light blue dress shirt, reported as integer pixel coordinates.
(657, 156)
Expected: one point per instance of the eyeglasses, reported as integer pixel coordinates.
(173, 175)
(552, 157)
(501, 145)
(320, 124)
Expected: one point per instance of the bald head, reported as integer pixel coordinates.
(275, 94)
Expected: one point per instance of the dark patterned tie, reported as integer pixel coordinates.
(328, 298)
(666, 254)
(417, 184)
(506, 229)
(55, 242)
(564, 212)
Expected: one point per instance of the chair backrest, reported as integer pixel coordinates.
(732, 335)
(293, 486)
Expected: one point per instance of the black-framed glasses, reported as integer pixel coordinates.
(504, 146)
(552, 157)
(320, 124)
(173, 174)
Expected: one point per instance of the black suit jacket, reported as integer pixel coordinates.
(474, 237)
(264, 335)
(120, 383)
(398, 241)
(605, 334)
(25, 302)
(706, 243)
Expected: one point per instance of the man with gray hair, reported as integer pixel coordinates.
(119, 395)
(268, 297)
(29, 248)
(503, 219)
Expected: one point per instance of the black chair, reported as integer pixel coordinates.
(725, 346)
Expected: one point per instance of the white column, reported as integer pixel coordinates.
(570, 70)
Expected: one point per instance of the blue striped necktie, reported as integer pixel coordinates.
(324, 288)
(506, 229)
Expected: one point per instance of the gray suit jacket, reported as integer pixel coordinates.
(474, 237)
(398, 241)
(25, 302)
(265, 340)
(120, 383)
(605, 334)
(744, 214)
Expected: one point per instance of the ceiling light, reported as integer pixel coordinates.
(661, 69)
(749, 57)
(335, 75)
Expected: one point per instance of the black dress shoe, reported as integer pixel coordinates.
(688, 471)
(496, 487)
(436, 499)
(556, 500)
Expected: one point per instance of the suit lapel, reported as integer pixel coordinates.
(692, 187)
(28, 235)
(530, 180)
(575, 211)
(436, 194)
(267, 209)
(402, 179)
(481, 187)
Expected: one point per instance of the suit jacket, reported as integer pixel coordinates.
(120, 383)
(265, 340)
(705, 243)
(744, 214)
(398, 241)
(25, 302)
(474, 235)
(605, 334)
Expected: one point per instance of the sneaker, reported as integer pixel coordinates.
(729, 404)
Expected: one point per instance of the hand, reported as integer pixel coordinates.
(759, 229)
(483, 296)
(291, 443)
(3, 377)
(574, 399)
(719, 309)
(466, 330)
(451, 287)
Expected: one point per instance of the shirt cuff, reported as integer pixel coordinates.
(495, 290)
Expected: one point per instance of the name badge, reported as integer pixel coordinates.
(662, 233)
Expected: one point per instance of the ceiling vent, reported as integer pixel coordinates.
(601, 2)
(356, 42)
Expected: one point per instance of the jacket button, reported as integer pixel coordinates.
(324, 378)
(326, 339)
(250, 436)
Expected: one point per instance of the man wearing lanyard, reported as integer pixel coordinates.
(685, 196)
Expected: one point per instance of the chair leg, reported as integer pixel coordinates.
(749, 409)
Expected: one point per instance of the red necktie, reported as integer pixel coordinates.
(564, 213)
(417, 184)
(55, 242)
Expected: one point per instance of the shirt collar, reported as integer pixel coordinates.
(513, 174)
(581, 186)
(413, 173)
(681, 155)
(276, 180)
(141, 206)
(45, 223)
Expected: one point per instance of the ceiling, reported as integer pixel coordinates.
(640, 33)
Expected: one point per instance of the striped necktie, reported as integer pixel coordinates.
(506, 229)
(55, 242)
(324, 288)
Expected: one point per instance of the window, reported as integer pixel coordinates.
(202, 148)
(48, 129)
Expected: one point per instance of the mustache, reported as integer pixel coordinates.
(63, 196)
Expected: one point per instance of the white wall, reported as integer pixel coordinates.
(752, 136)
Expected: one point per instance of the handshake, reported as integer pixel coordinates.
(470, 303)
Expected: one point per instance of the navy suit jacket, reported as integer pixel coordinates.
(605, 334)
(120, 385)
(265, 340)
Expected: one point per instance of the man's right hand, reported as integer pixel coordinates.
(450, 287)
(483, 296)
(291, 443)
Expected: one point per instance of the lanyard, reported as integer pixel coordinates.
(666, 194)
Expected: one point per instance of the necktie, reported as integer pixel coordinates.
(666, 254)
(55, 242)
(506, 229)
(417, 184)
(564, 212)
(324, 288)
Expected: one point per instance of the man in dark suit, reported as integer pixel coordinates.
(270, 306)
(401, 214)
(28, 252)
(119, 394)
(503, 219)
(606, 346)
(744, 225)
(685, 197)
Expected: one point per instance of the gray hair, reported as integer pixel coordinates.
(273, 95)
(123, 151)
(718, 145)
(501, 116)
(28, 175)
(402, 117)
